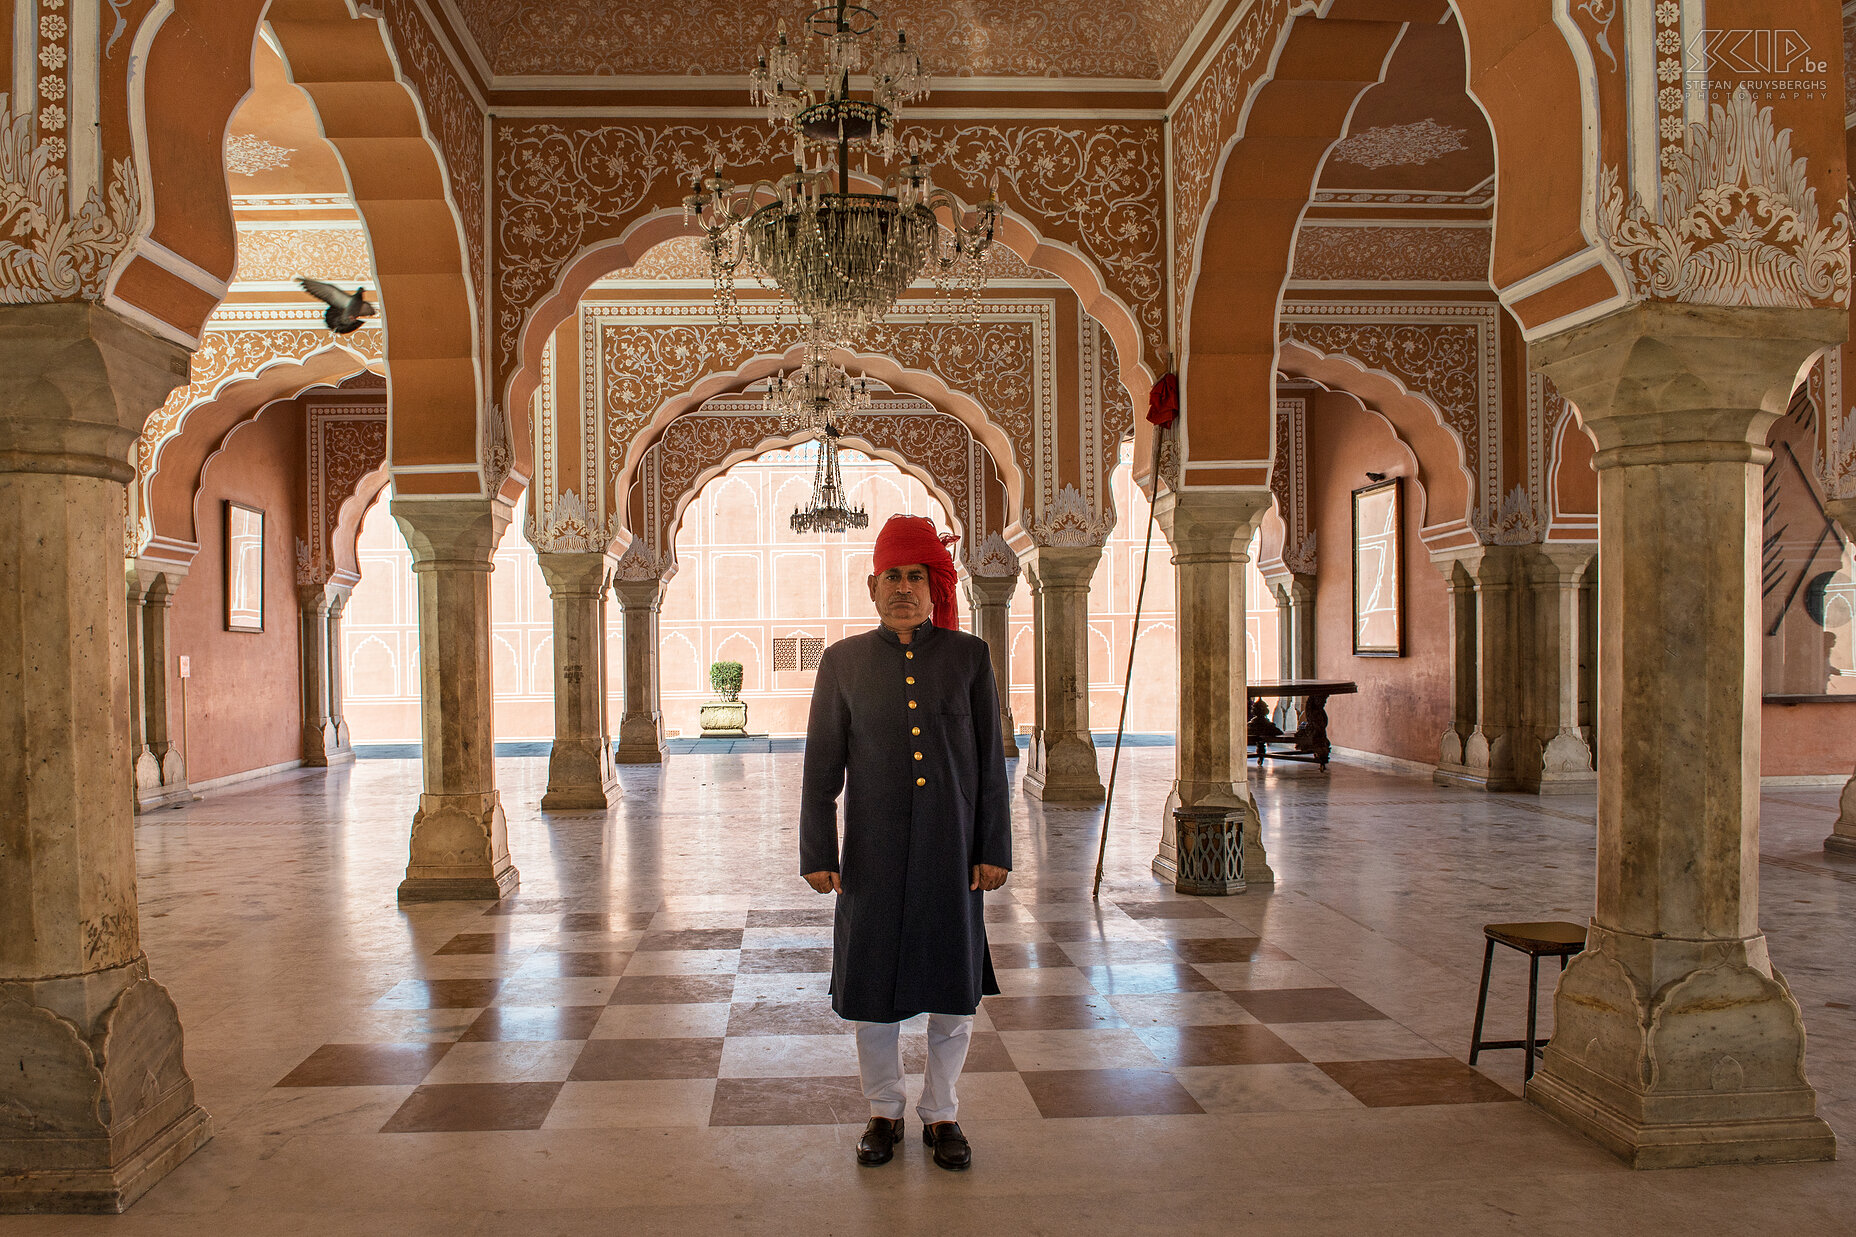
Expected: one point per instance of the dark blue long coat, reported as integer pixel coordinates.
(923, 777)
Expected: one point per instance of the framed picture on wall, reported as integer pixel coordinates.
(1378, 584)
(244, 568)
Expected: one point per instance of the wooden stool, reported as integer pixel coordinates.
(1537, 940)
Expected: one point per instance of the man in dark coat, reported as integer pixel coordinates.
(905, 723)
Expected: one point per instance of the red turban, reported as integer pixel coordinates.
(909, 539)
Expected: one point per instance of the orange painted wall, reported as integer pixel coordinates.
(1404, 702)
(244, 701)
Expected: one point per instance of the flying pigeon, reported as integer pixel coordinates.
(345, 311)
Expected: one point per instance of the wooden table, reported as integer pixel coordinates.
(1311, 739)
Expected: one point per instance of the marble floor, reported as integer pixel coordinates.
(639, 1041)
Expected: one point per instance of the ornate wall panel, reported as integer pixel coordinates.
(345, 442)
(938, 446)
(645, 353)
(281, 252)
(453, 116)
(1391, 253)
(230, 353)
(1447, 353)
(564, 187)
(1206, 119)
(1289, 484)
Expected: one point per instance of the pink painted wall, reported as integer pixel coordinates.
(244, 700)
(1404, 702)
(1807, 739)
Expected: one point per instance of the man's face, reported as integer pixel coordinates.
(901, 596)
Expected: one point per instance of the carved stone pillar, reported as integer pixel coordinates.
(641, 725)
(1462, 645)
(1551, 752)
(1295, 641)
(1842, 839)
(1063, 753)
(1675, 1041)
(97, 1105)
(338, 717)
(322, 739)
(580, 769)
(160, 766)
(991, 599)
(1210, 531)
(460, 843)
(1485, 666)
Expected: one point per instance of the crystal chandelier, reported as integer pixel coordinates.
(830, 509)
(844, 258)
(816, 393)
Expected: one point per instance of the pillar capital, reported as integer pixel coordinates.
(647, 594)
(78, 385)
(991, 590)
(1843, 511)
(1652, 380)
(1061, 566)
(1215, 524)
(456, 534)
(1563, 561)
(582, 576)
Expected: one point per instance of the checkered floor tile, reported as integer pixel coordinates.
(561, 1016)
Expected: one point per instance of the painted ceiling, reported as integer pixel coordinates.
(957, 38)
(1418, 130)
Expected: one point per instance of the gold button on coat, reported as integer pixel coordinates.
(911, 704)
(918, 755)
(915, 730)
(921, 781)
(910, 656)
(910, 680)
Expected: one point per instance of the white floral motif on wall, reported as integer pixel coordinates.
(47, 252)
(1410, 145)
(567, 527)
(247, 154)
(1736, 223)
(1069, 522)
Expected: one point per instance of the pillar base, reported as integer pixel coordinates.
(1064, 771)
(1468, 777)
(158, 797)
(1257, 870)
(1700, 1063)
(580, 776)
(101, 1107)
(1842, 839)
(638, 754)
(460, 851)
(1209, 845)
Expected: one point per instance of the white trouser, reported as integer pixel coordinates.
(879, 1060)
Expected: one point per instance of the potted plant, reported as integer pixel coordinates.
(727, 715)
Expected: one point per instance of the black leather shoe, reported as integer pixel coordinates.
(951, 1150)
(879, 1141)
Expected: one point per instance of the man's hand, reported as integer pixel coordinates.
(827, 882)
(985, 877)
